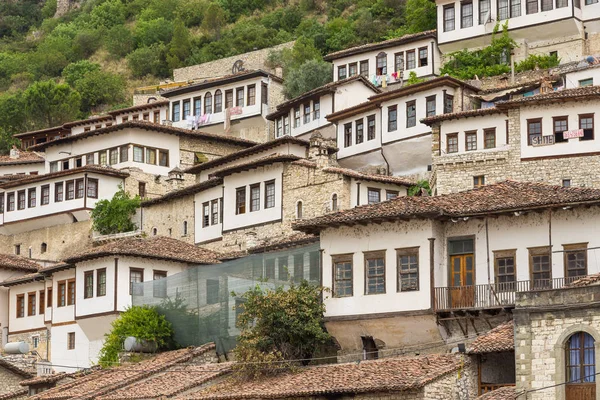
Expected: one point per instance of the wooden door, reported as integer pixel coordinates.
(580, 391)
(462, 281)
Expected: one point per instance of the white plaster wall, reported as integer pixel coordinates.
(126, 136)
(95, 304)
(326, 104)
(247, 178)
(366, 145)
(164, 110)
(364, 190)
(67, 312)
(388, 237)
(210, 232)
(478, 124)
(351, 94)
(27, 322)
(65, 360)
(76, 130)
(546, 112)
(26, 169)
(572, 79)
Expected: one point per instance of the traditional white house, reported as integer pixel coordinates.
(19, 163)
(399, 270)
(235, 104)
(389, 62)
(308, 112)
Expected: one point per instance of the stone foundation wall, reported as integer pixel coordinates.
(168, 218)
(206, 149)
(9, 381)
(43, 349)
(139, 98)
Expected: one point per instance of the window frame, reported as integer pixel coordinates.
(270, 197)
(239, 96)
(466, 19)
(70, 340)
(478, 181)
(503, 255)
(392, 118)
(469, 143)
(240, 200)
(486, 133)
(359, 131)
(402, 252)
(371, 127)
(31, 197)
(21, 199)
(20, 305)
(251, 95)
(131, 282)
(342, 259)
(572, 249)
(564, 119)
(529, 134)
(71, 292)
(347, 134)
(483, 12)
(381, 63)
(32, 304)
(373, 190)
(88, 286)
(453, 136)
(374, 255)
(411, 117)
(423, 61)
(537, 252)
(428, 101)
(411, 59)
(342, 72)
(100, 286)
(61, 293)
(590, 116)
(449, 21)
(532, 7)
(255, 202)
(364, 71)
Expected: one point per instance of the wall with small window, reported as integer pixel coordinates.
(208, 214)
(24, 307)
(64, 296)
(359, 134)
(366, 192)
(23, 169)
(155, 115)
(252, 197)
(421, 56)
(585, 77)
(556, 130)
(376, 269)
(78, 344)
(475, 134)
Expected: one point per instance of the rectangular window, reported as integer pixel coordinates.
(342, 276)
(142, 189)
(54, 166)
(391, 194)
(484, 11)
(62, 294)
(531, 6)
(136, 275)
(547, 5)
(20, 306)
(466, 14)
(163, 158)
(205, 214)
(187, 109)
(566, 183)
(10, 202)
(89, 159)
(575, 259)
(430, 105)
(589, 2)
(515, 8)
(159, 286)
(176, 112)
(540, 268)
(489, 138)
(411, 114)
(124, 153)
(113, 157)
(270, 268)
(42, 300)
(197, 106)
(352, 69)
(71, 341)
(307, 113)
(251, 95)
(264, 93)
(58, 192)
(286, 125)
(448, 18)
(31, 197)
(71, 292)
(560, 125)
(88, 288)
(586, 82)
(348, 135)
(92, 189)
(102, 157)
(49, 297)
(316, 109)
(408, 269)
(586, 122)
(471, 140)
(79, 162)
(101, 282)
(45, 195)
(534, 129)
(151, 156)
(240, 200)
(214, 211)
(411, 61)
(370, 127)
(21, 200)
(359, 131)
(505, 265)
(399, 62)
(218, 101)
(31, 303)
(138, 154)
(452, 143)
(279, 127)
(296, 117)
(342, 72)
(375, 272)
(255, 197)
(239, 97)
(478, 181)
(423, 60)
(392, 118)
(79, 188)
(270, 194)
(503, 10)
(364, 68)
(448, 104)
(381, 63)
(374, 195)
(208, 102)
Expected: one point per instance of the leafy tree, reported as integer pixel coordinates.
(289, 59)
(180, 46)
(420, 16)
(119, 41)
(191, 12)
(108, 14)
(49, 9)
(98, 88)
(148, 61)
(422, 185)
(412, 79)
(279, 325)
(76, 71)
(214, 20)
(542, 61)
(86, 42)
(286, 19)
(114, 216)
(340, 34)
(158, 30)
(310, 28)
(48, 103)
(145, 324)
(308, 76)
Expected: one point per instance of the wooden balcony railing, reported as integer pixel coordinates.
(495, 295)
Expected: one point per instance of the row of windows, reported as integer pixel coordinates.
(64, 297)
(560, 125)
(359, 131)
(489, 140)
(211, 212)
(407, 272)
(281, 268)
(255, 195)
(302, 115)
(182, 109)
(75, 189)
(136, 275)
(403, 60)
(88, 283)
(115, 155)
(145, 117)
(374, 195)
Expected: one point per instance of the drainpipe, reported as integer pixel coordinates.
(550, 238)
(357, 194)
(487, 251)
(381, 140)
(431, 271)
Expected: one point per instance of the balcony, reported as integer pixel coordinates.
(491, 296)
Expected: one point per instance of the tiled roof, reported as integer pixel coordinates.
(15, 369)
(149, 126)
(18, 263)
(38, 380)
(417, 87)
(579, 93)
(462, 114)
(384, 375)
(496, 198)
(350, 111)
(87, 168)
(380, 45)
(35, 276)
(87, 121)
(397, 180)
(106, 381)
(176, 194)
(501, 338)
(586, 281)
(220, 80)
(14, 394)
(156, 247)
(139, 107)
(45, 130)
(503, 393)
(267, 160)
(284, 242)
(25, 157)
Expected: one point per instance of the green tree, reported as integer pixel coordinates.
(98, 88)
(419, 187)
(308, 76)
(214, 20)
(119, 41)
(158, 30)
(143, 323)
(180, 46)
(340, 34)
(114, 215)
(78, 70)
(49, 9)
(50, 104)
(279, 325)
(148, 61)
(420, 16)
(191, 12)
(108, 14)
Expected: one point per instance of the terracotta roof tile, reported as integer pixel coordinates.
(284, 242)
(139, 107)
(24, 157)
(463, 114)
(501, 338)
(18, 263)
(503, 393)
(190, 190)
(15, 394)
(398, 180)
(270, 159)
(205, 83)
(579, 93)
(45, 379)
(88, 168)
(156, 247)
(384, 375)
(496, 198)
(35, 276)
(15, 369)
(586, 281)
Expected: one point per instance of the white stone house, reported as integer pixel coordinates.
(306, 113)
(406, 265)
(19, 163)
(389, 62)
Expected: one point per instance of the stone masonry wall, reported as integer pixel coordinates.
(43, 348)
(9, 381)
(188, 147)
(168, 217)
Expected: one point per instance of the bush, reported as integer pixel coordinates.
(158, 30)
(148, 61)
(98, 88)
(108, 14)
(542, 61)
(114, 216)
(119, 41)
(310, 75)
(76, 71)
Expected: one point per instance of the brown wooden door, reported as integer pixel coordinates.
(580, 391)
(462, 281)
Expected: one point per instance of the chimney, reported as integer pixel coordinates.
(175, 178)
(14, 152)
(318, 150)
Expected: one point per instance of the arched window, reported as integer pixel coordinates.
(218, 101)
(208, 103)
(154, 231)
(334, 202)
(44, 248)
(581, 359)
(299, 210)
(381, 63)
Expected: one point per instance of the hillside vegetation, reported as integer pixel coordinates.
(88, 61)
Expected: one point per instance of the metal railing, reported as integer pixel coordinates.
(495, 295)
